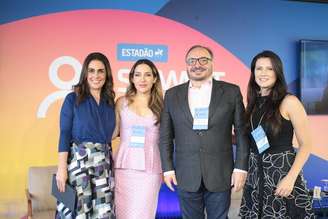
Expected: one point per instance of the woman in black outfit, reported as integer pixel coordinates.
(275, 186)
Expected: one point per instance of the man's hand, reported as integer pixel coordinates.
(238, 180)
(169, 179)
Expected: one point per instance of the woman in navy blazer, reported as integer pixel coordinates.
(87, 121)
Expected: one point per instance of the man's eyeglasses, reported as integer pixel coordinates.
(201, 61)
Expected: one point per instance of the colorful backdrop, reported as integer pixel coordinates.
(43, 44)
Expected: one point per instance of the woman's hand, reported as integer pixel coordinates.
(285, 186)
(61, 178)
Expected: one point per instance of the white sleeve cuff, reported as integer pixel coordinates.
(170, 172)
(239, 170)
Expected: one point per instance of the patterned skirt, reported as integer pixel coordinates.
(264, 173)
(90, 173)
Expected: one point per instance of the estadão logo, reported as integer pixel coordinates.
(133, 52)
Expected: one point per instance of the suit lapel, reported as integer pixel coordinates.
(183, 101)
(216, 96)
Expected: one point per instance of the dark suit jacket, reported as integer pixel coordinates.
(203, 154)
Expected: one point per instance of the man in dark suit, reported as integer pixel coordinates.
(196, 139)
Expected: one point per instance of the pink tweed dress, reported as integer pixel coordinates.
(137, 169)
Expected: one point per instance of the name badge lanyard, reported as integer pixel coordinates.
(259, 121)
(259, 136)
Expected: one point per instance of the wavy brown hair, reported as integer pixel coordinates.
(155, 102)
(277, 93)
(82, 89)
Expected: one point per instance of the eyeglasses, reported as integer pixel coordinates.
(201, 61)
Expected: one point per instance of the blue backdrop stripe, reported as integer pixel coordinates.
(12, 10)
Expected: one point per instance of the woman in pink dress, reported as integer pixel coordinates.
(138, 173)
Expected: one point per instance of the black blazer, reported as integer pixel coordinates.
(204, 154)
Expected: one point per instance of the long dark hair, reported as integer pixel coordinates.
(82, 88)
(155, 102)
(277, 94)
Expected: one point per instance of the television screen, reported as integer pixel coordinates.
(314, 76)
